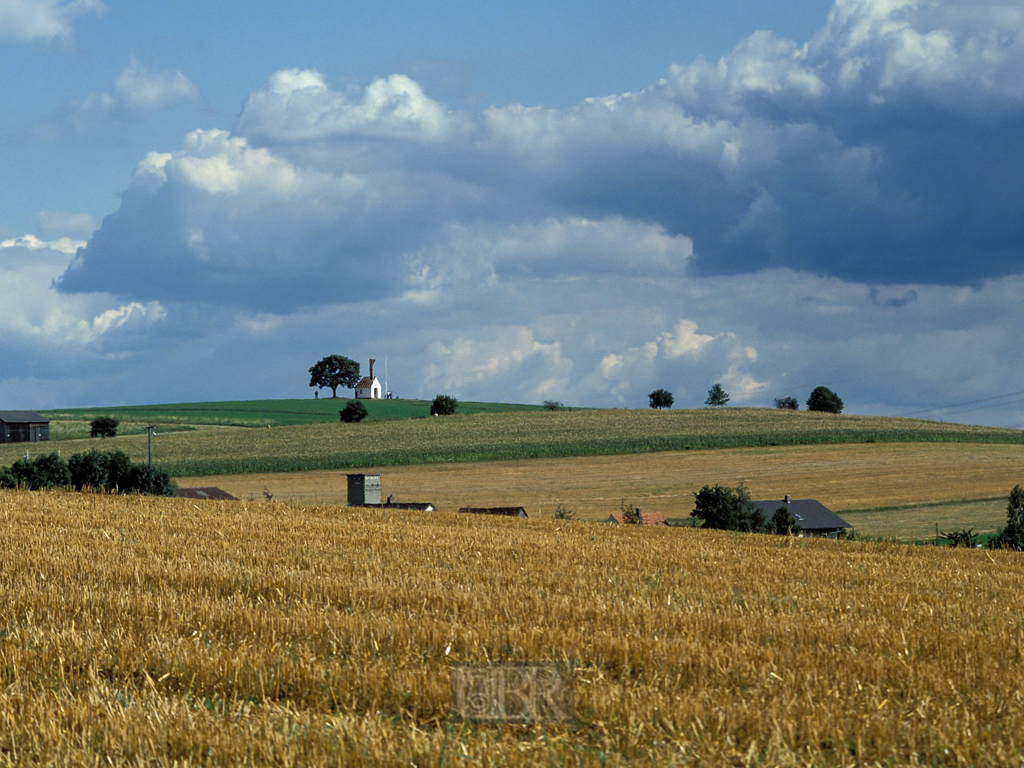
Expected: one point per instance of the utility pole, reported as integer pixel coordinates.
(151, 429)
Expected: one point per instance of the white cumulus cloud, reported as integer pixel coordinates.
(298, 105)
(45, 20)
(136, 93)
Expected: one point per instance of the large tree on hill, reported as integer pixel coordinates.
(825, 400)
(334, 371)
(717, 397)
(661, 398)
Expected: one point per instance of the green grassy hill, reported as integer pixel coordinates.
(74, 422)
(492, 436)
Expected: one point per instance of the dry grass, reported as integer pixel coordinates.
(841, 476)
(160, 631)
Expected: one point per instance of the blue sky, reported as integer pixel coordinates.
(582, 202)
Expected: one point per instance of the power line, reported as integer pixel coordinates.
(967, 404)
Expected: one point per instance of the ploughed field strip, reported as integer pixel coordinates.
(159, 630)
(526, 435)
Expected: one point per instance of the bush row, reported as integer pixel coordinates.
(111, 472)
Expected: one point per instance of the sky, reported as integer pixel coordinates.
(567, 201)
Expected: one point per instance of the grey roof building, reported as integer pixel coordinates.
(208, 492)
(814, 518)
(23, 427)
(502, 511)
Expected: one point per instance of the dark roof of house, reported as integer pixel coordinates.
(811, 514)
(366, 382)
(507, 511)
(649, 518)
(204, 493)
(23, 417)
(422, 506)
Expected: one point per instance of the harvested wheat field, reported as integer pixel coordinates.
(840, 476)
(163, 632)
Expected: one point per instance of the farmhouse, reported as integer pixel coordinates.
(814, 518)
(23, 427)
(648, 518)
(503, 511)
(369, 387)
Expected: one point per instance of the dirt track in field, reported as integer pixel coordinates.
(842, 477)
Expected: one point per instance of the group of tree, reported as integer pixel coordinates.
(731, 509)
(111, 472)
(822, 399)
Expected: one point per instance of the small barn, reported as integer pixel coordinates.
(23, 427)
(648, 518)
(501, 511)
(813, 517)
(363, 490)
(369, 387)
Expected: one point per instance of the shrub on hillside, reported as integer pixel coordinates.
(47, 471)
(353, 412)
(443, 405)
(90, 470)
(103, 426)
(99, 471)
(552, 405)
(824, 400)
(787, 403)
(148, 481)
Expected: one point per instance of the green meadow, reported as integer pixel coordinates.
(232, 438)
(74, 422)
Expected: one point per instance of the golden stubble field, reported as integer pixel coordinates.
(163, 632)
(843, 477)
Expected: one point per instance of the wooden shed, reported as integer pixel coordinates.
(23, 427)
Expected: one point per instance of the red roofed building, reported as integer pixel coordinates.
(369, 387)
